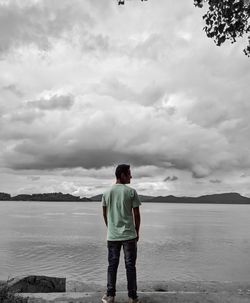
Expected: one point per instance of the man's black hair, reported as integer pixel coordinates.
(121, 168)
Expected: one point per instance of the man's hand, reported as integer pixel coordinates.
(104, 212)
(137, 219)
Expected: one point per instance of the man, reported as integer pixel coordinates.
(122, 217)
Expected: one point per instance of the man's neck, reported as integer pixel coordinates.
(119, 182)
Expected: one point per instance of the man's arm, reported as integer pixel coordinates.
(104, 211)
(137, 218)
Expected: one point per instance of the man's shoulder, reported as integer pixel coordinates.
(132, 192)
(129, 188)
(109, 190)
(106, 194)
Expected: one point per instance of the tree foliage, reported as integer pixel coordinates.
(122, 2)
(227, 20)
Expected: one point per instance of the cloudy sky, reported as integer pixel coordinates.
(88, 84)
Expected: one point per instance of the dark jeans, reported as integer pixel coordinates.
(130, 254)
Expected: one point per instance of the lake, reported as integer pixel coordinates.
(194, 242)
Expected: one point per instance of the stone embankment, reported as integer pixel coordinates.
(42, 289)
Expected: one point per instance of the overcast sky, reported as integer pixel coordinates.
(88, 84)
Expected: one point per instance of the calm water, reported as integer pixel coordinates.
(178, 242)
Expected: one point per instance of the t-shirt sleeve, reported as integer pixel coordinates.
(135, 199)
(103, 201)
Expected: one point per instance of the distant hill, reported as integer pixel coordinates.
(42, 197)
(96, 198)
(4, 196)
(146, 198)
(225, 198)
(142, 198)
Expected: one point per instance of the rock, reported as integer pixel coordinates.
(32, 284)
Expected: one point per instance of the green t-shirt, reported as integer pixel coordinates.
(119, 200)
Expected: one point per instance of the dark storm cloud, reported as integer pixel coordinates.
(93, 140)
(35, 158)
(53, 103)
(171, 179)
(200, 174)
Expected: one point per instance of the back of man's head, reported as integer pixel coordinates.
(121, 169)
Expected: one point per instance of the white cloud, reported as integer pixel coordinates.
(88, 85)
(98, 137)
(38, 23)
(53, 102)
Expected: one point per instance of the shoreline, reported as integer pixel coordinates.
(217, 198)
(143, 202)
(151, 292)
(156, 285)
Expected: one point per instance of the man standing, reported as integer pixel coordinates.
(122, 217)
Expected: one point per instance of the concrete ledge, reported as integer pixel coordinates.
(169, 292)
(165, 286)
(149, 297)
